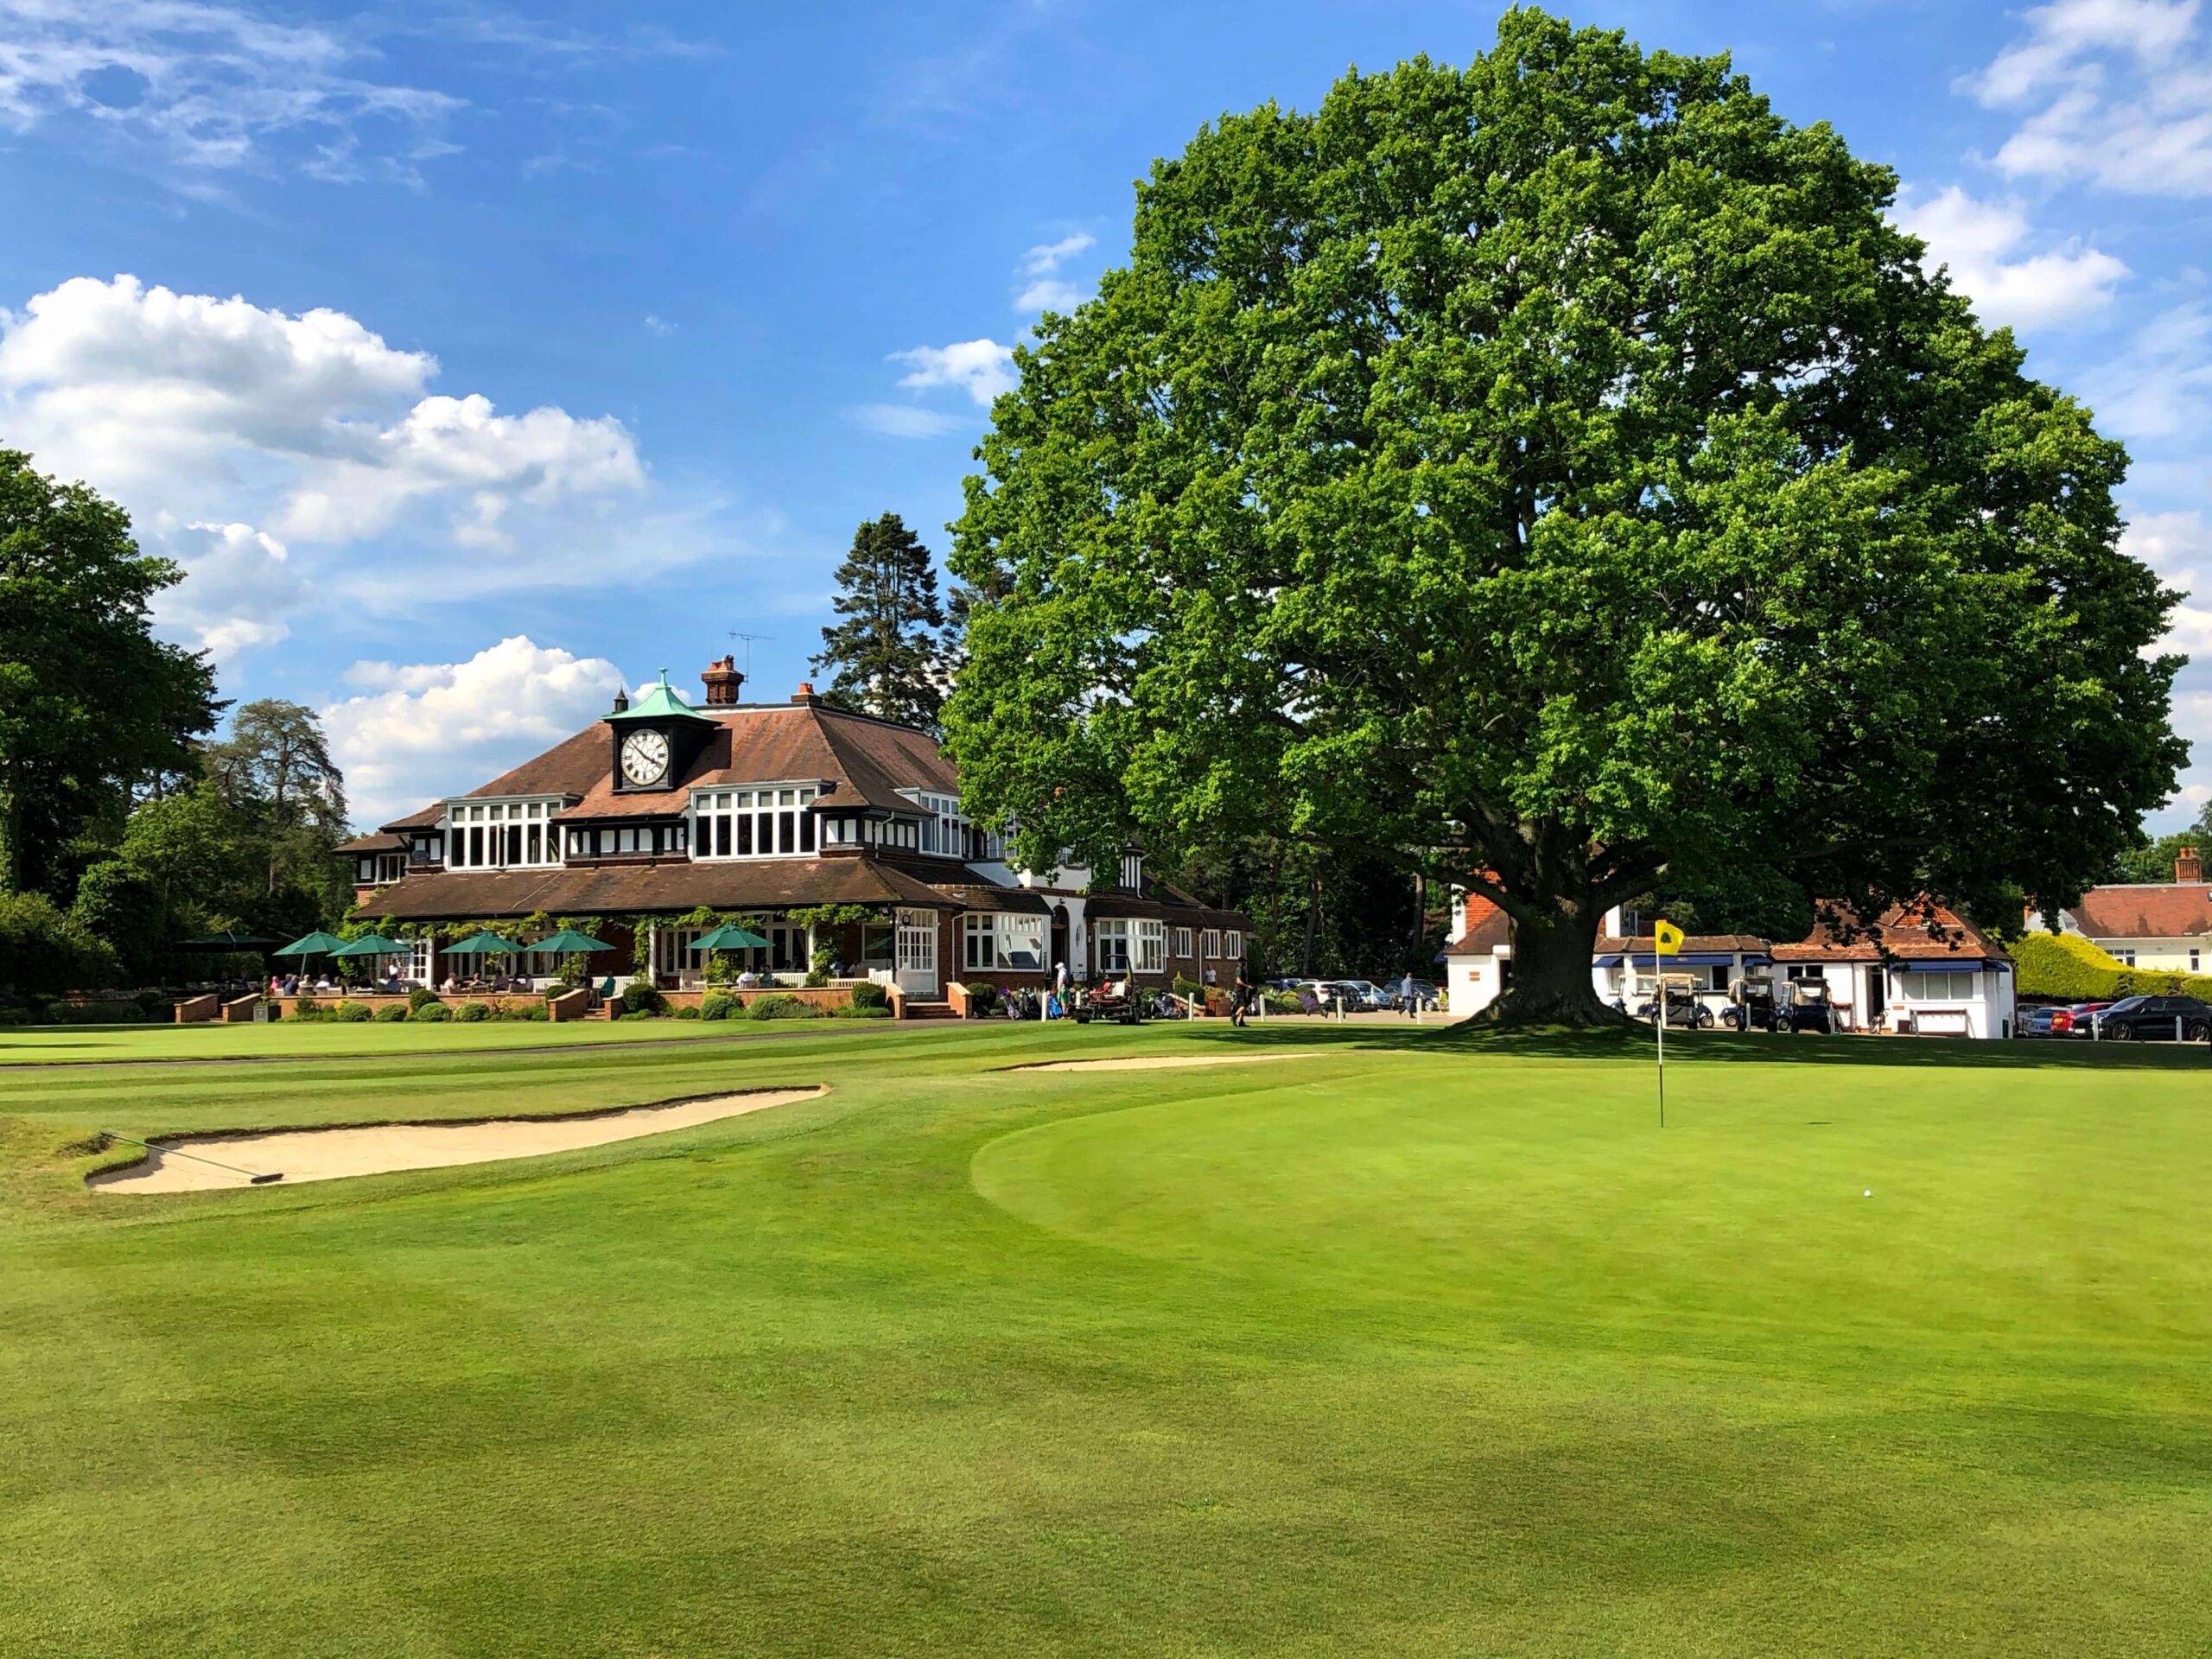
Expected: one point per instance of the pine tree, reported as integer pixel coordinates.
(886, 657)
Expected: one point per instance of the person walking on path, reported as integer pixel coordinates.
(1406, 996)
(1240, 1000)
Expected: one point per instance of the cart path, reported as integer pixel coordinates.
(377, 1148)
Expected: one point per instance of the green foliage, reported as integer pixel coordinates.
(430, 1014)
(2067, 968)
(1284, 1002)
(715, 1006)
(884, 659)
(392, 1013)
(857, 1013)
(92, 707)
(982, 996)
(306, 1008)
(777, 1007)
(2153, 860)
(524, 1012)
(471, 1014)
(352, 1013)
(869, 994)
(420, 996)
(688, 1011)
(1561, 468)
(641, 996)
(274, 769)
(43, 950)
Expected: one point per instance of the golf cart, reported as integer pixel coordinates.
(1114, 999)
(1753, 1004)
(1806, 1007)
(1683, 1009)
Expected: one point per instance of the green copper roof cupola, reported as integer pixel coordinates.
(660, 702)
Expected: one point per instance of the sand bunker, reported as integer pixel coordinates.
(328, 1154)
(1153, 1062)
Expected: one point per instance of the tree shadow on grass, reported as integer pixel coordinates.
(1756, 1048)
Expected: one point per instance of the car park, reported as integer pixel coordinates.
(2072, 1020)
(2153, 1019)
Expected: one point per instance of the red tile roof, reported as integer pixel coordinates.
(1694, 944)
(673, 885)
(2152, 911)
(1487, 929)
(1915, 932)
(869, 761)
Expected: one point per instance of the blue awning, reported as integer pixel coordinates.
(1688, 959)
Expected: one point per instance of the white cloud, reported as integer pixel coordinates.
(902, 420)
(1046, 257)
(418, 731)
(982, 368)
(660, 326)
(1981, 242)
(193, 410)
(1048, 293)
(1044, 290)
(209, 87)
(239, 587)
(2122, 96)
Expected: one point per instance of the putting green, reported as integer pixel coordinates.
(1422, 1346)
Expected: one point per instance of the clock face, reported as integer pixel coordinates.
(644, 756)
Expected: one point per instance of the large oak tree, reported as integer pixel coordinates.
(1558, 471)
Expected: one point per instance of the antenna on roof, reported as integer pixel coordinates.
(749, 638)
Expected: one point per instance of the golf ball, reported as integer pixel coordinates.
(1870, 1192)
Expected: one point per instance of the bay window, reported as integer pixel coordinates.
(498, 835)
(1111, 938)
(752, 823)
(994, 942)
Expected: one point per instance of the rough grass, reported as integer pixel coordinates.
(1417, 1348)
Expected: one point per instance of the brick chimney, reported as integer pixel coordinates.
(723, 680)
(806, 696)
(2188, 868)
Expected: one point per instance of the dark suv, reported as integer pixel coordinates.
(2155, 1019)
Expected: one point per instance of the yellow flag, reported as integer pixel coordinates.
(1668, 936)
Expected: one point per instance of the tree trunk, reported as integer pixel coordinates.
(1551, 971)
(1313, 920)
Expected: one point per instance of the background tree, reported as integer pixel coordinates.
(884, 659)
(274, 770)
(1563, 468)
(92, 706)
(2152, 861)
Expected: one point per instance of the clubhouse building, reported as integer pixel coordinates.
(774, 813)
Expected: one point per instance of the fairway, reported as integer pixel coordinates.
(1419, 1345)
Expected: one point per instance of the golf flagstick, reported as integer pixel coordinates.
(171, 1152)
(1659, 982)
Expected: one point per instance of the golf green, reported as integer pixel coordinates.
(1416, 1345)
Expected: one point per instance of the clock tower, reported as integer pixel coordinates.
(655, 738)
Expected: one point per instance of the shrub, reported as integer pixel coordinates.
(307, 1009)
(715, 1006)
(639, 996)
(392, 1013)
(44, 949)
(869, 994)
(431, 1014)
(856, 1012)
(784, 1008)
(421, 997)
(524, 1012)
(1189, 988)
(472, 1013)
(352, 1014)
(1284, 1002)
(688, 1011)
(983, 997)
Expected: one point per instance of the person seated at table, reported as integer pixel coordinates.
(748, 981)
(448, 987)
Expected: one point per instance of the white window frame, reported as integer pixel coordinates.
(1956, 985)
(1182, 943)
(1111, 942)
(495, 816)
(1212, 952)
(1151, 951)
(1232, 945)
(754, 820)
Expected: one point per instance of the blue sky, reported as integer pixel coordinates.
(473, 361)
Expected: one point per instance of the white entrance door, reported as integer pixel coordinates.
(918, 952)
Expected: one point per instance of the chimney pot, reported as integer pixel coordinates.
(2188, 868)
(805, 694)
(723, 681)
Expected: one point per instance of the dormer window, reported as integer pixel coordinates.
(774, 822)
(502, 834)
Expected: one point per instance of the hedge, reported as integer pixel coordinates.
(784, 1008)
(2067, 968)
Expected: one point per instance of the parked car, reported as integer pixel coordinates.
(1370, 998)
(2154, 1019)
(2037, 1021)
(2073, 1020)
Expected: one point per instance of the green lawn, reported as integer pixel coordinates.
(1414, 1346)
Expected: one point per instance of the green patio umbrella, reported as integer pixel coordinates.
(570, 943)
(373, 945)
(317, 943)
(729, 936)
(486, 944)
